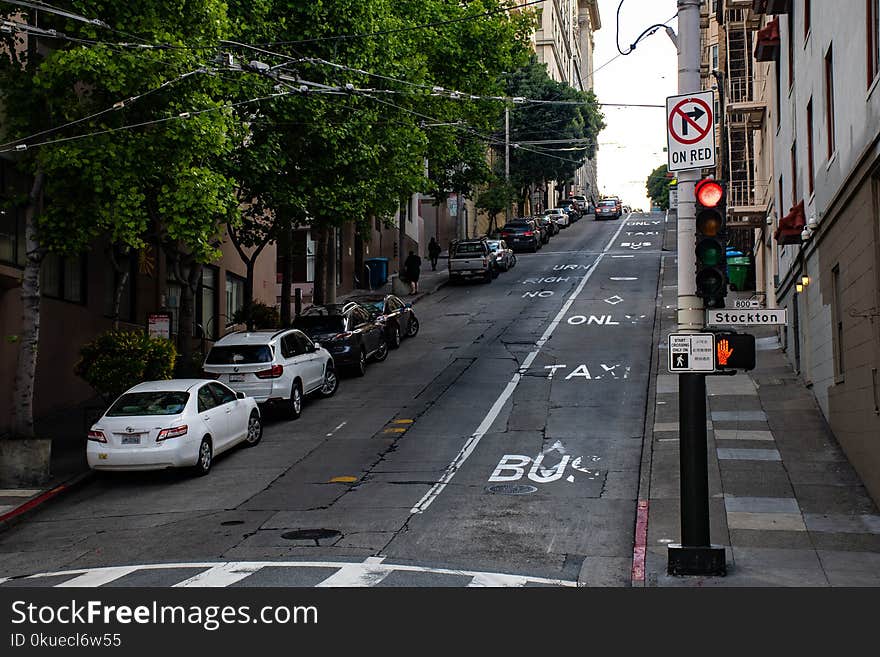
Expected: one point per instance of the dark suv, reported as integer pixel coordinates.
(522, 234)
(348, 331)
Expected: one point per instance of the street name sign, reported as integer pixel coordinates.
(765, 317)
(690, 131)
(691, 352)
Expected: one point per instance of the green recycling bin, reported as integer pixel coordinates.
(737, 272)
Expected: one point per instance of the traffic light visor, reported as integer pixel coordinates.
(709, 193)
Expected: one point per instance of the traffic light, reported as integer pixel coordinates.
(711, 237)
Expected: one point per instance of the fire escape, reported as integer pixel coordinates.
(745, 113)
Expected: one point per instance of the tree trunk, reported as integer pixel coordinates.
(249, 293)
(189, 280)
(285, 245)
(330, 291)
(401, 236)
(123, 273)
(26, 369)
(318, 296)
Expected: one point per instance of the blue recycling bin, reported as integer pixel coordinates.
(378, 271)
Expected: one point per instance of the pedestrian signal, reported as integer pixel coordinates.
(734, 351)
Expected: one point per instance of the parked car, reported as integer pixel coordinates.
(348, 331)
(171, 424)
(560, 216)
(471, 259)
(395, 315)
(549, 225)
(522, 234)
(273, 367)
(504, 256)
(608, 209)
(572, 208)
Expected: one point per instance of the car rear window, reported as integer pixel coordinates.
(240, 353)
(466, 249)
(163, 402)
(320, 323)
(608, 204)
(516, 228)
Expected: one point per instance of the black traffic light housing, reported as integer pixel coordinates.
(711, 242)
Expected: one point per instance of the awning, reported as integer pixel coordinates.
(767, 42)
(791, 226)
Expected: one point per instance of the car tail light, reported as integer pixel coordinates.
(174, 432)
(97, 436)
(528, 233)
(485, 262)
(341, 336)
(272, 373)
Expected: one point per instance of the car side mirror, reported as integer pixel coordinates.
(408, 305)
(240, 394)
(316, 345)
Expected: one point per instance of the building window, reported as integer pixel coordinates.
(12, 236)
(782, 212)
(778, 77)
(790, 48)
(714, 52)
(837, 318)
(234, 296)
(206, 304)
(810, 146)
(807, 12)
(829, 101)
(794, 173)
(872, 16)
(64, 278)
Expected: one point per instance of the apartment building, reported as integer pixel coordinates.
(807, 175)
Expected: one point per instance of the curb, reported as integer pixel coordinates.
(32, 505)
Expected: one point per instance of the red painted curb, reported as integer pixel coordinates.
(10, 516)
(641, 542)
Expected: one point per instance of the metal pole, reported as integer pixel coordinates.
(695, 555)
(507, 156)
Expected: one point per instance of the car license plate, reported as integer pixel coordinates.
(134, 439)
(236, 378)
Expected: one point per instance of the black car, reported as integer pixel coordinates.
(522, 234)
(551, 227)
(395, 315)
(348, 331)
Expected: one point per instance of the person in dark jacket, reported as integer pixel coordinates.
(413, 267)
(433, 253)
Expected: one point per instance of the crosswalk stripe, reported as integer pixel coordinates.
(98, 577)
(495, 580)
(368, 573)
(221, 575)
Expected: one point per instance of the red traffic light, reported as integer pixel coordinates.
(709, 193)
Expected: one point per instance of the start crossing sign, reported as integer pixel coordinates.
(690, 131)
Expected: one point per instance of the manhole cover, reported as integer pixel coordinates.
(311, 534)
(226, 523)
(512, 489)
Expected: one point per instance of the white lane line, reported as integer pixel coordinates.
(368, 573)
(98, 577)
(221, 575)
(495, 581)
(623, 256)
(338, 428)
(493, 413)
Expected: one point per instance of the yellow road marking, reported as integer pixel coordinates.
(394, 430)
(402, 421)
(343, 480)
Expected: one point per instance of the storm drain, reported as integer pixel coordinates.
(511, 489)
(311, 535)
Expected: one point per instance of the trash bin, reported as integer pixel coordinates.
(737, 272)
(378, 268)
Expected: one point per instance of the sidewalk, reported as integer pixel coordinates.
(429, 282)
(784, 500)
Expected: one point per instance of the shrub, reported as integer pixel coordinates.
(263, 316)
(117, 360)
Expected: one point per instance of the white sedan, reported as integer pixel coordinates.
(170, 424)
(558, 215)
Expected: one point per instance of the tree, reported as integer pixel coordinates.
(495, 199)
(657, 186)
(154, 183)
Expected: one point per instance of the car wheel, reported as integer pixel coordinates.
(361, 367)
(382, 352)
(512, 262)
(205, 458)
(395, 337)
(413, 328)
(295, 403)
(331, 383)
(254, 430)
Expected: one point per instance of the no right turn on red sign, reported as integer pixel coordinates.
(690, 131)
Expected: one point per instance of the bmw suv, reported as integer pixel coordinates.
(273, 367)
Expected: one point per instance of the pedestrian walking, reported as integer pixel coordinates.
(434, 253)
(413, 267)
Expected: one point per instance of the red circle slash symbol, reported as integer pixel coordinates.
(689, 120)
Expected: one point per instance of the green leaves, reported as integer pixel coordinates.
(657, 186)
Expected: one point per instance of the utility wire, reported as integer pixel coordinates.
(646, 33)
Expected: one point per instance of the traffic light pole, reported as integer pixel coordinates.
(694, 555)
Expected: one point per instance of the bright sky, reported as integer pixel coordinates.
(632, 144)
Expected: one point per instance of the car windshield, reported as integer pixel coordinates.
(162, 402)
(239, 353)
(372, 304)
(320, 323)
(494, 245)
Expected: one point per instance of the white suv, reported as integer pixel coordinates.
(273, 366)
